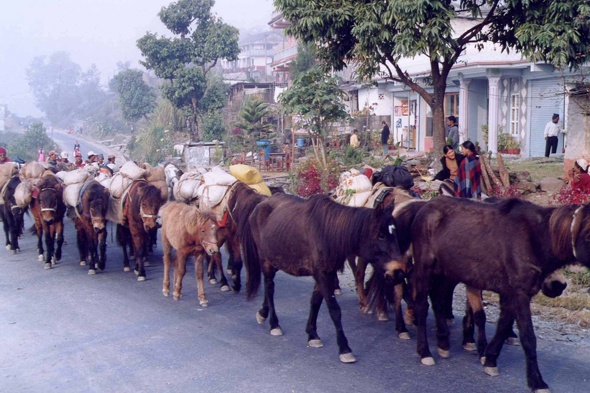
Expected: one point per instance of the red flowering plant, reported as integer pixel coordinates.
(568, 196)
(312, 179)
(505, 192)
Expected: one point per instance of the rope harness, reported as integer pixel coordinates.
(48, 209)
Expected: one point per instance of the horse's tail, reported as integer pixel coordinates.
(251, 258)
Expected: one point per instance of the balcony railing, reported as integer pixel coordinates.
(286, 53)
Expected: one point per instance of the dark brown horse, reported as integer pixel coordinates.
(192, 234)
(241, 203)
(89, 219)
(140, 212)
(48, 210)
(313, 238)
(509, 248)
(12, 215)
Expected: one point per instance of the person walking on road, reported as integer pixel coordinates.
(552, 131)
(354, 139)
(384, 137)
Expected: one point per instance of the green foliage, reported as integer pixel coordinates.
(305, 60)
(152, 144)
(213, 127)
(215, 96)
(169, 116)
(252, 123)
(27, 145)
(137, 99)
(352, 156)
(186, 59)
(62, 90)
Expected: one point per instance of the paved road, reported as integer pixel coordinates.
(64, 331)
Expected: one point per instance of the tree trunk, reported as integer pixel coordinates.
(322, 146)
(504, 176)
(195, 121)
(488, 168)
(313, 144)
(486, 178)
(438, 121)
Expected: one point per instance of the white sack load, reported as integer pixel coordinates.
(187, 187)
(72, 194)
(61, 175)
(75, 177)
(162, 186)
(354, 189)
(132, 171)
(114, 167)
(115, 211)
(217, 183)
(32, 170)
(24, 192)
(119, 184)
(7, 170)
(359, 199)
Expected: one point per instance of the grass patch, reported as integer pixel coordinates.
(573, 303)
(537, 171)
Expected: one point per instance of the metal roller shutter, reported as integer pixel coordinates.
(547, 99)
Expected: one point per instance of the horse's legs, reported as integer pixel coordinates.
(325, 282)
(218, 262)
(140, 240)
(167, 247)
(409, 314)
(448, 292)
(81, 240)
(122, 236)
(236, 266)
(437, 297)
(313, 340)
(479, 317)
(421, 283)
(337, 289)
(468, 328)
(102, 245)
(400, 326)
(359, 278)
(269, 291)
(39, 230)
(200, 287)
(4, 217)
(49, 243)
(210, 269)
(502, 331)
(59, 229)
(179, 271)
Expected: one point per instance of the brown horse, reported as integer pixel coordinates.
(512, 255)
(48, 210)
(12, 215)
(89, 219)
(313, 238)
(241, 202)
(192, 234)
(140, 212)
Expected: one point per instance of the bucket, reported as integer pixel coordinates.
(266, 147)
(300, 142)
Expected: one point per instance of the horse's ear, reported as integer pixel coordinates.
(34, 191)
(58, 187)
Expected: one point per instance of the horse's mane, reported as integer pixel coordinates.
(338, 230)
(47, 181)
(560, 226)
(242, 203)
(148, 192)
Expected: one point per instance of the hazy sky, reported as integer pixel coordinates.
(92, 31)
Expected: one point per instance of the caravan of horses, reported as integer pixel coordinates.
(411, 245)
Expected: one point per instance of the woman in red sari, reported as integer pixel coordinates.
(468, 180)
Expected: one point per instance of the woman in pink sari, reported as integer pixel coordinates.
(41, 155)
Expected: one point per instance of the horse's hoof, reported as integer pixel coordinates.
(213, 281)
(82, 263)
(315, 343)
(542, 391)
(140, 278)
(491, 371)
(276, 332)
(126, 269)
(91, 272)
(8, 248)
(482, 360)
(514, 342)
(382, 317)
(17, 251)
(365, 309)
(450, 321)
(136, 272)
(225, 288)
(176, 296)
(429, 361)
(53, 261)
(469, 347)
(230, 272)
(259, 318)
(337, 292)
(408, 319)
(204, 303)
(41, 257)
(347, 358)
(47, 266)
(404, 335)
(147, 263)
(166, 293)
(444, 353)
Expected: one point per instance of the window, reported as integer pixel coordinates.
(514, 114)
(452, 105)
(429, 123)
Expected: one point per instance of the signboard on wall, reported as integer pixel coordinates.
(401, 110)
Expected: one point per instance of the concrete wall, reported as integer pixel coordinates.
(383, 99)
(578, 130)
(477, 109)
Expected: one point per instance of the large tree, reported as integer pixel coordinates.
(317, 98)
(200, 40)
(252, 123)
(136, 98)
(375, 35)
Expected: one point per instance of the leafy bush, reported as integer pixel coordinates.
(568, 196)
(213, 128)
(312, 179)
(352, 156)
(505, 192)
(27, 145)
(151, 144)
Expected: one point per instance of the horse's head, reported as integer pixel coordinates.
(150, 202)
(208, 234)
(382, 249)
(554, 284)
(98, 204)
(48, 193)
(570, 233)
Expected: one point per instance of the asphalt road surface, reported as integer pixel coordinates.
(62, 330)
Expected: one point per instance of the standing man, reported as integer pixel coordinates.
(384, 137)
(3, 158)
(354, 139)
(453, 131)
(552, 130)
(79, 163)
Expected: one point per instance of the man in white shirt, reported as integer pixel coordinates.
(552, 130)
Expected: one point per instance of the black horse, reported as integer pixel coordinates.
(510, 248)
(12, 215)
(313, 238)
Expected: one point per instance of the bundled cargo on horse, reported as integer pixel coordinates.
(215, 186)
(7, 170)
(354, 189)
(74, 181)
(186, 189)
(24, 192)
(394, 176)
(32, 170)
(251, 177)
(119, 184)
(156, 176)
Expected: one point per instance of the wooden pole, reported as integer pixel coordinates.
(504, 176)
(488, 168)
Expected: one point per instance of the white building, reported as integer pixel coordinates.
(256, 55)
(502, 91)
